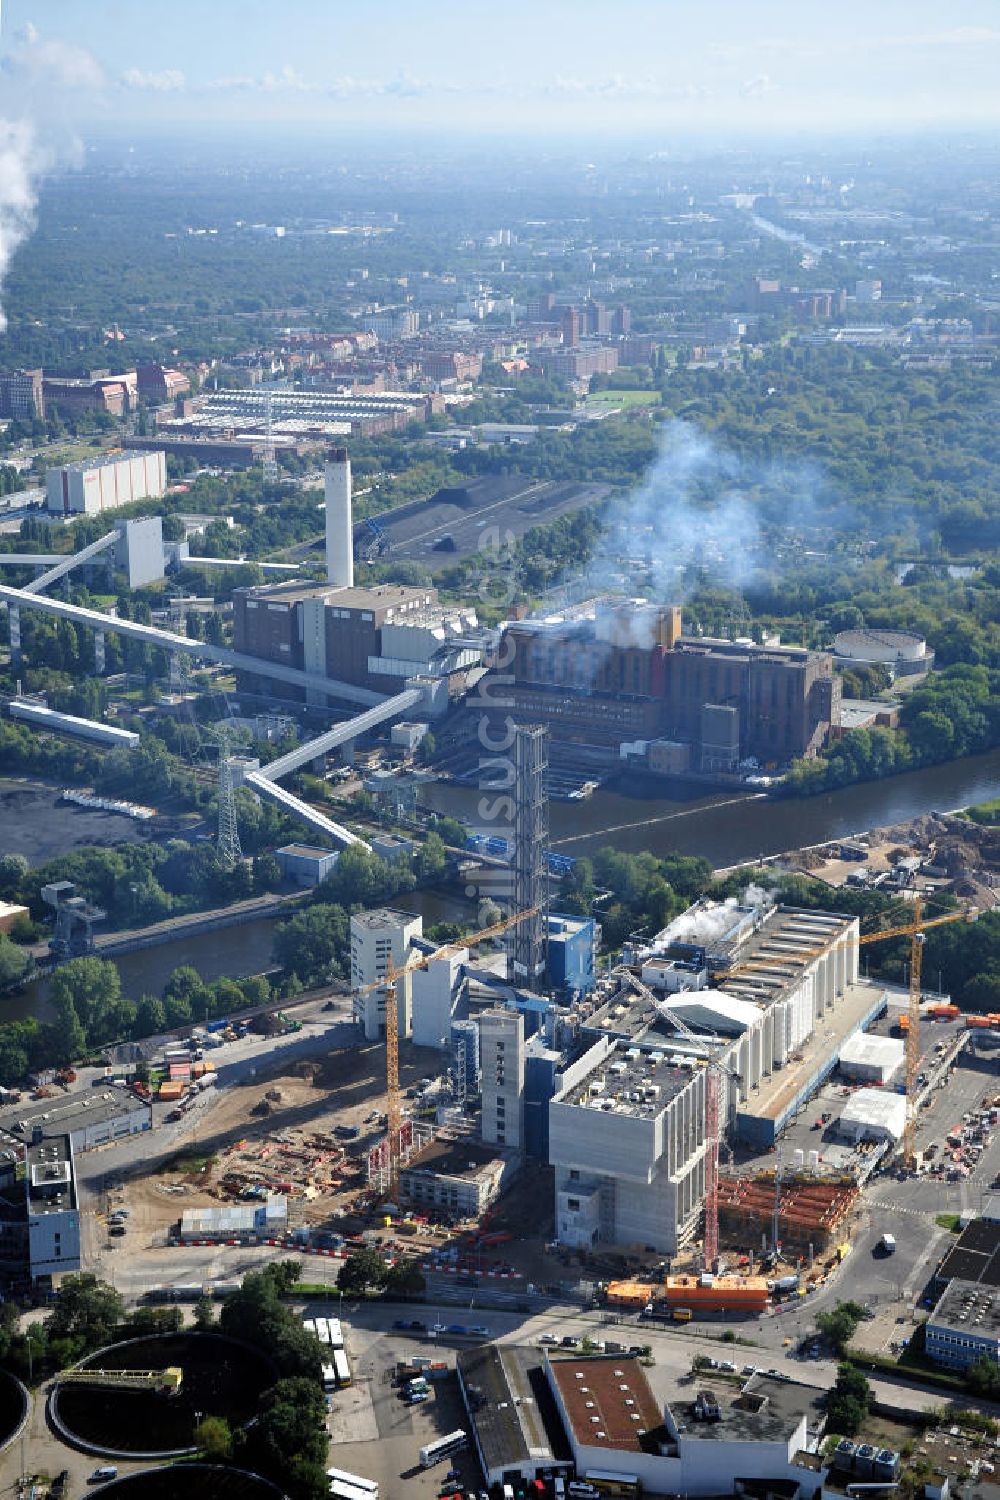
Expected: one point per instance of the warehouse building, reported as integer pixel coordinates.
(515, 1426)
(873, 1115)
(93, 1119)
(93, 485)
(676, 1438)
(619, 670)
(872, 1059)
(975, 1257)
(964, 1326)
(763, 988)
(304, 864)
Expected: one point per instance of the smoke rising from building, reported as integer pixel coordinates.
(701, 514)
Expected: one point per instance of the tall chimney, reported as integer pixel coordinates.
(339, 526)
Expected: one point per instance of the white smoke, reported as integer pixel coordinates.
(702, 514)
(23, 160)
(39, 79)
(710, 922)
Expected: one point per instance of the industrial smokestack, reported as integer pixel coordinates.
(339, 526)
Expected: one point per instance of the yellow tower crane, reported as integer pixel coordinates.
(394, 1109)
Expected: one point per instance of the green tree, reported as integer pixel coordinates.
(215, 1439)
(15, 965)
(13, 869)
(431, 858)
(315, 943)
(840, 1324)
(204, 1314)
(150, 1016)
(405, 1278)
(69, 1041)
(93, 987)
(87, 1312)
(363, 1269)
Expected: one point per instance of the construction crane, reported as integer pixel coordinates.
(394, 1108)
(714, 1065)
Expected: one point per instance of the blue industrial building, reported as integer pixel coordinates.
(572, 944)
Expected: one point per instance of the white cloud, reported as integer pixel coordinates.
(27, 34)
(169, 81)
(757, 87)
(287, 80)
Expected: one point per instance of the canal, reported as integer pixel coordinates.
(232, 952)
(726, 829)
(733, 829)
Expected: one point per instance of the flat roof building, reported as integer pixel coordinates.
(964, 1326)
(91, 1119)
(53, 1209)
(93, 485)
(458, 1179)
(678, 1438)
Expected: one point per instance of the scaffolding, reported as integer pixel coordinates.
(527, 941)
(384, 1164)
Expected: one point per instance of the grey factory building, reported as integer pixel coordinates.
(964, 1326)
(106, 1113)
(627, 1130)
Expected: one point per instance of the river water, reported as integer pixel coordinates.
(229, 951)
(726, 829)
(733, 829)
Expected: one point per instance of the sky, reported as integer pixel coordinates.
(547, 66)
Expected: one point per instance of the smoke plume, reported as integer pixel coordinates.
(22, 162)
(702, 513)
(38, 73)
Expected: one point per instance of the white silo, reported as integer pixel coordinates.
(339, 526)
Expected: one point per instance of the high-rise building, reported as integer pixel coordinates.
(570, 322)
(21, 395)
(378, 938)
(501, 1062)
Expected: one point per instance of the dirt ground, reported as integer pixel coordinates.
(278, 1133)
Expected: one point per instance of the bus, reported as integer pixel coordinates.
(606, 1483)
(329, 1379)
(341, 1366)
(341, 1476)
(341, 1491)
(444, 1447)
(309, 1326)
(336, 1333)
(681, 1315)
(323, 1330)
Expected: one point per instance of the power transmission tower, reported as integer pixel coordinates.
(229, 835)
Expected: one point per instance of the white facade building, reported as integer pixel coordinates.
(501, 1062)
(435, 992)
(378, 937)
(94, 485)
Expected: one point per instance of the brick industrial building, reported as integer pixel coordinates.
(623, 670)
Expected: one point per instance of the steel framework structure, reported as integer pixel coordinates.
(527, 942)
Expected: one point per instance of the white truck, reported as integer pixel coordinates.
(887, 1244)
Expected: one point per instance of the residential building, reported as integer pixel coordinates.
(501, 1057)
(380, 938)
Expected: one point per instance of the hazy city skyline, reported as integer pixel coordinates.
(554, 67)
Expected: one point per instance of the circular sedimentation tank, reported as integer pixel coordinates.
(193, 1481)
(15, 1404)
(221, 1378)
